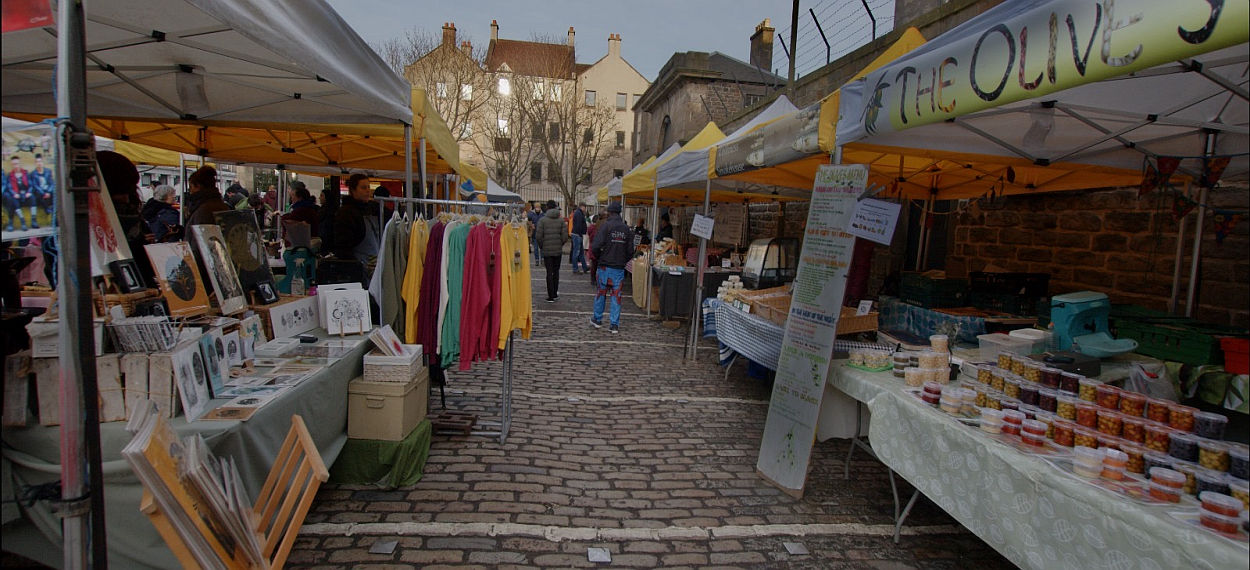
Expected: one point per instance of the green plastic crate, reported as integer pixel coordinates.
(1177, 341)
(929, 293)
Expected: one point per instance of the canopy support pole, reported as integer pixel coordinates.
(1207, 150)
(693, 346)
(655, 205)
(421, 157)
(281, 200)
(82, 483)
(408, 168)
(182, 181)
(1176, 267)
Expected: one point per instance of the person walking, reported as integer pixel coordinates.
(612, 246)
(535, 215)
(577, 233)
(551, 236)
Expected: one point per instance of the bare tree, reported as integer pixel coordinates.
(451, 75)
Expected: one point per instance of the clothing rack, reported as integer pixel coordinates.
(504, 423)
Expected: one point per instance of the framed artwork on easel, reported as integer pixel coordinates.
(178, 278)
(221, 272)
(247, 252)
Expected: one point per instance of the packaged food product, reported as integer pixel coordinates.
(994, 402)
(903, 359)
(1017, 363)
(991, 427)
(1087, 414)
(1032, 372)
(1013, 417)
(1050, 377)
(931, 387)
(939, 342)
(1134, 429)
(1085, 437)
(1011, 386)
(1004, 360)
(857, 358)
(1208, 480)
(1108, 441)
(1032, 439)
(1213, 454)
(1166, 494)
(1136, 457)
(1009, 403)
(1157, 410)
(1218, 523)
(900, 372)
(1158, 437)
(1089, 389)
(1110, 422)
(1132, 403)
(1210, 425)
(1220, 503)
(997, 377)
(1049, 420)
(952, 407)
(1033, 427)
(1030, 412)
(1086, 462)
(931, 359)
(1070, 382)
(1114, 458)
(1190, 471)
(1183, 446)
(914, 376)
(1028, 394)
(1113, 473)
(1011, 429)
(1181, 417)
(930, 398)
(983, 374)
(1048, 400)
(1064, 434)
(1239, 461)
(1107, 396)
(1065, 406)
(1240, 490)
(941, 375)
(982, 394)
(1155, 459)
(1169, 478)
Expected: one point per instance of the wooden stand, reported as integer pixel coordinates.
(280, 509)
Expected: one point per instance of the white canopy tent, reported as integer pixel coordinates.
(690, 168)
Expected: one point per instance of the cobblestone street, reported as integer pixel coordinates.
(618, 442)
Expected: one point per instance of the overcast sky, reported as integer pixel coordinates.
(651, 30)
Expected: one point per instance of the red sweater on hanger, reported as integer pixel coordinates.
(431, 284)
(479, 313)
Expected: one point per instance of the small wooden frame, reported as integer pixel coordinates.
(453, 421)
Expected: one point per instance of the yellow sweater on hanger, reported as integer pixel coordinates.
(411, 291)
(515, 303)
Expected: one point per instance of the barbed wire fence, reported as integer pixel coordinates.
(846, 25)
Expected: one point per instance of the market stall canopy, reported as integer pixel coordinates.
(692, 165)
(683, 177)
(787, 150)
(494, 192)
(641, 179)
(614, 188)
(253, 81)
(1112, 90)
(473, 174)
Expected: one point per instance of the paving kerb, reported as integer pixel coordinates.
(624, 444)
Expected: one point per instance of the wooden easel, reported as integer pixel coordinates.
(280, 509)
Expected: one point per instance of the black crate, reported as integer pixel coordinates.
(1032, 285)
(930, 293)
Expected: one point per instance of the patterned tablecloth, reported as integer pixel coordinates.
(1022, 505)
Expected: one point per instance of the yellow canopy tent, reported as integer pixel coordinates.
(606, 191)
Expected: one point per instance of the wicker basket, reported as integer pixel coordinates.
(128, 301)
(382, 368)
(777, 310)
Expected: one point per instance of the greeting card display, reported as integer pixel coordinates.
(347, 311)
(191, 375)
(247, 250)
(179, 279)
(221, 272)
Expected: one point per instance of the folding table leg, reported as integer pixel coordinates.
(900, 517)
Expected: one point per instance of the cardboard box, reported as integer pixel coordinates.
(45, 338)
(386, 411)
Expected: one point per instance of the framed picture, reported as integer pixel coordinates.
(126, 276)
(266, 293)
(152, 308)
(234, 348)
(214, 351)
(191, 378)
(322, 289)
(221, 272)
(179, 280)
(294, 317)
(246, 249)
(348, 311)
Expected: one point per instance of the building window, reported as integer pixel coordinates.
(538, 90)
(466, 92)
(536, 172)
(621, 99)
(620, 139)
(583, 175)
(440, 90)
(618, 173)
(466, 131)
(537, 131)
(634, 103)
(587, 136)
(503, 127)
(553, 132)
(553, 173)
(503, 144)
(505, 86)
(590, 98)
(556, 92)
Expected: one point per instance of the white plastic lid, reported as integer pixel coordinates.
(1221, 500)
(1013, 416)
(1114, 455)
(1089, 455)
(1165, 474)
(991, 414)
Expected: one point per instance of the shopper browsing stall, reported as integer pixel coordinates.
(205, 199)
(159, 213)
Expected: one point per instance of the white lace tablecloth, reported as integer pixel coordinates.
(1027, 509)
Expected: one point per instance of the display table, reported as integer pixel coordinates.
(32, 456)
(1020, 504)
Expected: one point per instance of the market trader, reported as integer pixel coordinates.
(612, 246)
(356, 232)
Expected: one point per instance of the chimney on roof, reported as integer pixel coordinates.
(614, 45)
(762, 45)
(494, 30)
(449, 33)
(467, 48)
(570, 36)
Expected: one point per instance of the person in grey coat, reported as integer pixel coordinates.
(551, 235)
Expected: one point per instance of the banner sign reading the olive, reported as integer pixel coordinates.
(1025, 50)
(806, 348)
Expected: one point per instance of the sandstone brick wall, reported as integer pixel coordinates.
(1110, 241)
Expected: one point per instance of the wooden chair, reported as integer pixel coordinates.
(280, 509)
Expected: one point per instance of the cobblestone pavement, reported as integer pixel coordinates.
(618, 442)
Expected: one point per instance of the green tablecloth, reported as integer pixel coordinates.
(390, 463)
(1020, 504)
(32, 456)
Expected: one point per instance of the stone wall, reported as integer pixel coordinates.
(1110, 241)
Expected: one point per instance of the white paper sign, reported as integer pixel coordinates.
(865, 307)
(702, 226)
(874, 220)
(790, 429)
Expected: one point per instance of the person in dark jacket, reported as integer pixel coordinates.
(613, 246)
(356, 232)
(122, 180)
(535, 215)
(551, 236)
(577, 253)
(160, 215)
(303, 208)
(666, 229)
(204, 199)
